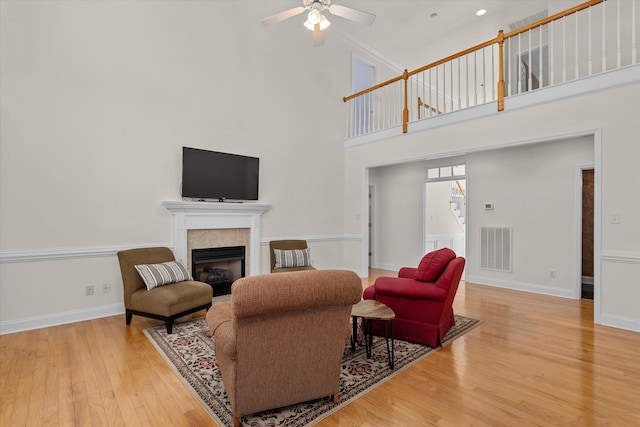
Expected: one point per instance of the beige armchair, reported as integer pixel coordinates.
(280, 339)
(287, 245)
(166, 302)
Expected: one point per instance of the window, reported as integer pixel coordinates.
(446, 173)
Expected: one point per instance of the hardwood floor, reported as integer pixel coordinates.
(535, 361)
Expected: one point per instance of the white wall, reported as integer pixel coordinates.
(610, 115)
(399, 206)
(400, 213)
(533, 189)
(97, 99)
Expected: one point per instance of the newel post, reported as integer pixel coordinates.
(405, 111)
(500, 70)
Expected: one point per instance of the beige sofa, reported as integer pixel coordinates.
(280, 339)
(165, 303)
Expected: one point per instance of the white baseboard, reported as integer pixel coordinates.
(56, 319)
(390, 267)
(620, 322)
(526, 287)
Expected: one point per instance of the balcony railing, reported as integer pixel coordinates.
(591, 38)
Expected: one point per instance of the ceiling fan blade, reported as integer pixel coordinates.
(352, 14)
(282, 15)
(318, 35)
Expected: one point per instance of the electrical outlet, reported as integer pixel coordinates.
(89, 290)
(552, 274)
(106, 288)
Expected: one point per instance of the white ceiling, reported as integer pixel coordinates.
(405, 34)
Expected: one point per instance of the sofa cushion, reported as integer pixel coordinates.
(165, 273)
(172, 299)
(409, 289)
(286, 258)
(432, 264)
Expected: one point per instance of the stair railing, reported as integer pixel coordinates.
(544, 53)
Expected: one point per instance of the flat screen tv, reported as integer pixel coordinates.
(214, 175)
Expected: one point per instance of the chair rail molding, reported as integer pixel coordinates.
(55, 254)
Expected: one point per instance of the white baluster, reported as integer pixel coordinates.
(590, 38)
(604, 38)
(540, 71)
(564, 49)
(484, 79)
(510, 66)
(577, 65)
(424, 93)
(444, 88)
(430, 93)
(475, 78)
(467, 77)
(493, 72)
(348, 125)
(529, 65)
(437, 91)
(459, 79)
(519, 71)
(633, 32)
(451, 85)
(552, 69)
(619, 52)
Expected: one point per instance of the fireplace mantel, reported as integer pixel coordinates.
(215, 215)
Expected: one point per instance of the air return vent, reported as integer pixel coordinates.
(495, 248)
(529, 20)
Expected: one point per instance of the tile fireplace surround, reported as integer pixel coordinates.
(189, 216)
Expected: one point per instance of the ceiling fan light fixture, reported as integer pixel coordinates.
(316, 22)
(324, 23)
(314, 17)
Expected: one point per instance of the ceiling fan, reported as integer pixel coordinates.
(316, 21)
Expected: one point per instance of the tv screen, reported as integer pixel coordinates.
(214, 175)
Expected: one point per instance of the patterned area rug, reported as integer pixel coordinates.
(190, 351)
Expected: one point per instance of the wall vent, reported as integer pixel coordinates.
(495, 248)
(529, 20)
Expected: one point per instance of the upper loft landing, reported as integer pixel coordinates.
(590, 47)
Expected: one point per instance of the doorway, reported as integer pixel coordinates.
(370, 227)
(445, 208)
(587, 233)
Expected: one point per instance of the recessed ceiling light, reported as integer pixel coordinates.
(481, 12)
(434, 15)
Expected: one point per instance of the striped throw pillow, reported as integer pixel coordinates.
(155, 275)
(286, 258)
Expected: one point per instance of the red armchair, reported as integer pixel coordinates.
(422, 298)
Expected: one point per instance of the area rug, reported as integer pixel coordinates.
(190, 352)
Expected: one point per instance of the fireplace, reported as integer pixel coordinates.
(218, 267)
(191, 217)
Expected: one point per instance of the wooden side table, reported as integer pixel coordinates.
(368, 311)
